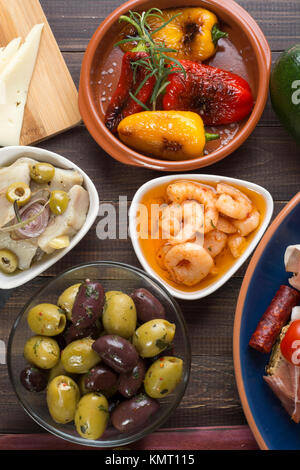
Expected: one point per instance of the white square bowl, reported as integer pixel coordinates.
(206, 179)
(9, 155)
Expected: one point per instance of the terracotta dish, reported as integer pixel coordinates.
(245, 52)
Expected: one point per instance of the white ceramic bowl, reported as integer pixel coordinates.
(8, 155)
(203, 178)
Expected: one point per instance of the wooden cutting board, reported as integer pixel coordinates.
(52, 104)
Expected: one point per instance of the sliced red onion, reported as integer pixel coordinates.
(37, 226)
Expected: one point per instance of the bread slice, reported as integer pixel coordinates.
(276, 356)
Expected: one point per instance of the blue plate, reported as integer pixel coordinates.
(271, 425)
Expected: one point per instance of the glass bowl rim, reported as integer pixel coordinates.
(151, 427)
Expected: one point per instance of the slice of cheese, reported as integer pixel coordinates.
(6, 55)
(16, 79)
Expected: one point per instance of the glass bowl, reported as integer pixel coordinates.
(113, 276)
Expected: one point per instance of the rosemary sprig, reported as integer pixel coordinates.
(17, 213)
(159, 64)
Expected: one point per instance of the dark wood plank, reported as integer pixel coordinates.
(206, 438)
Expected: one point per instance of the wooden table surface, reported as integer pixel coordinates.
(269, 157)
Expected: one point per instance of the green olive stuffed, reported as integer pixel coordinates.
(119, 315)
(78, 357)
(46, 319)
(153, 337)
(163, 376)
(62, 399)
(42, 351)
(92, 415)
(67, 298)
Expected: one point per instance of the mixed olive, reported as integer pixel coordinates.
(58, 202)
(42, 172)
(19, 193)
(8, 261)
(99, 356)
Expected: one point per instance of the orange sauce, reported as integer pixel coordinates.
(150, 245)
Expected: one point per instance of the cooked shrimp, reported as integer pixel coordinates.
(237, 245)
(181, 191)
(160, 255)
(225, 225)
(215, 242)
(232, 202)
(170, 221)
(188, 263)
(192, 223)
(250, 223)
(182, 222)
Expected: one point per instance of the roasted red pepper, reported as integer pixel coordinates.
(122, 104)
(220, 97)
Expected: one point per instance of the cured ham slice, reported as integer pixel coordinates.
(292, 264)
(295, 281)
(284, 380)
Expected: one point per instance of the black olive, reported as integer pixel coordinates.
(33, 379)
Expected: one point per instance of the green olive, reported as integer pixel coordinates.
(19, 192)
(119, 315)
(110, 293)
(57, 370)
(8, 261)
(42, 351)
(79, 357)
(42, 172)
(163, 376)
(58, 202)
(153, 337)
(67, 298)
(92, 415)
(62, 398)
(46, 319)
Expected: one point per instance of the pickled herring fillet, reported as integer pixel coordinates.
(19, 171)
(25, 250)
(68, 223)
(63, 180)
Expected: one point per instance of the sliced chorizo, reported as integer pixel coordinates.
(274, 318)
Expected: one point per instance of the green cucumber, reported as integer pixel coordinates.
(285, 90)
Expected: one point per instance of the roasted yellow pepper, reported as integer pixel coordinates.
(193, 32)
(170, 135)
